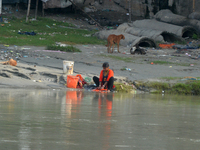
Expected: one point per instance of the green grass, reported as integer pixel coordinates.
(158, 85)
(171, 78)
(47, 31)
(158, 62)
(63, 48)
(162, 62)
(126, 59)
(188, 88)
(120, 87)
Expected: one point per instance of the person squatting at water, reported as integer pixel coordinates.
(106, 78)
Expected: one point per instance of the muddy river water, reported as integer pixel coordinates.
(74, 120)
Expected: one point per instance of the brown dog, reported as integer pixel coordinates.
(112, 40)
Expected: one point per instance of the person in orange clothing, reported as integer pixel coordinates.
(106, 78)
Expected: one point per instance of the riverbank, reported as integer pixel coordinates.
(41, 68)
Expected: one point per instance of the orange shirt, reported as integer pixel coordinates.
(110, 74)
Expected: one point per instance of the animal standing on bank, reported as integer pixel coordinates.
(112, 40)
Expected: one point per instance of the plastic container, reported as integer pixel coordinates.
(68, 67)
(72, 81)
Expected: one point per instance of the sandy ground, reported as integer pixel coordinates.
(40, 68)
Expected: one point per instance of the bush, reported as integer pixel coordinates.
(195, 88)
(159, 85)
(181, 88)
(195, 36)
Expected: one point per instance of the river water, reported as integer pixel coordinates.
(74, 120)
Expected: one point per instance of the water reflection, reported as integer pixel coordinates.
(104, 101)
(48, 119)
(73, 100)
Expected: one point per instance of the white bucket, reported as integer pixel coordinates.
(68, 67)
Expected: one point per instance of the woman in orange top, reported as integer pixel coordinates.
(106, 78)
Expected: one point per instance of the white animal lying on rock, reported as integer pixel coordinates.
(138, 50)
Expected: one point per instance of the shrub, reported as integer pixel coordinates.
(195, 36)
(63, 48)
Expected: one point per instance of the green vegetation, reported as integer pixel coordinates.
(126, 59)
(47, 31)
(181, 42)
(171, 78)
(123, 69)
(195, 36)
(162, 62)
(158, 85)
(63, 48)
(188, 88)
(129, 59)
(168, 63)
(120, 87)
